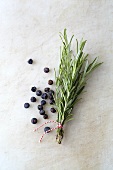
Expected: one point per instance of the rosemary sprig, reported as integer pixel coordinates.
(71, 79)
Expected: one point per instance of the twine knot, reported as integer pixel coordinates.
(59, 125)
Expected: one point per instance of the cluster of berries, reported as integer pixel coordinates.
(48, 93)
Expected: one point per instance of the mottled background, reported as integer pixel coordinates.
(30, 29)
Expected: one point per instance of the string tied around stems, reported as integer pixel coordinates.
(50, 121)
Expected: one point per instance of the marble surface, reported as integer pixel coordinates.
(30, 29)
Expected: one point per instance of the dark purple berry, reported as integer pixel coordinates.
(47, 89)
(26, 105)
(42, 112)
(51, 97)
(30, 61)
(50, 82)
(45, 116)
(38, 93)
(51, 92)
(40, 107)
(33, 99)
(52, 102)
(47, 129)
(46, 69)
(44, 96)
(52, 110)
(43, 102)
(33, 89)
(34, 120)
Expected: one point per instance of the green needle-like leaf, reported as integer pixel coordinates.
(71, 78)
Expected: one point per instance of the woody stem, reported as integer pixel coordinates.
(59, 135)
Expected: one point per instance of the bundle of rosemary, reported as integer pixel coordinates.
(70, 80)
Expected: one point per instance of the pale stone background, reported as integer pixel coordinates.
(30, 29)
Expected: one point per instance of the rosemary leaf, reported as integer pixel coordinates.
(71, 79)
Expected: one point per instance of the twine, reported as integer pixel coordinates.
(50, 121)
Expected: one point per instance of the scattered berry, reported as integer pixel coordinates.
(50, 82)
(30, 61)
(38, 93)
(45, 116)
(46, 69)
(44, 96)
(40, 107)
(33, 89)
(42, 112)
(51, 92)
(26, 105)
(34, 120)
(52, 102)
(33, 99)
(47, 89)
(50, 97)
(47, 129)
(52, 110)
(43, 102)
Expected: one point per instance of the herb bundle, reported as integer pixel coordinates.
(70, 80)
